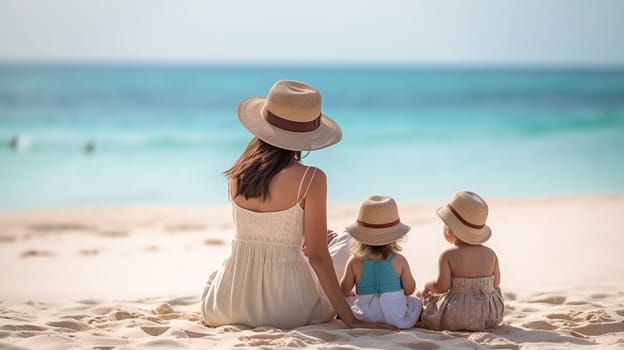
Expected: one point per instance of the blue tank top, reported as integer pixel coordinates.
(378, 276)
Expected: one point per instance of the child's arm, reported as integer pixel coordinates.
(496, 273)
(348, 279)
(443, 283)
(407, 280)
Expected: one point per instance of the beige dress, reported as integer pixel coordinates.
(472, 304)
(267, 280)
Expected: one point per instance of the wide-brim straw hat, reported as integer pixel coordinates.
(290, 117)
(378, 222)
(465, 215)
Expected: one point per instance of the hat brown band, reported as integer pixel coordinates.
(290, 125)
(463, 221)
(367, 225)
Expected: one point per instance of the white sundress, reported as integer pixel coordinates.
(267, 280)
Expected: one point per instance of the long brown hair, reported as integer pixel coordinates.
(256, 167)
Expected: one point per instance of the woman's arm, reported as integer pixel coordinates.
(496, 273)
(315, 227)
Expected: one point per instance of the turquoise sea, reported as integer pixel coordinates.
(162, 135)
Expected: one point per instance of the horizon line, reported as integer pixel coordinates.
(349, 64)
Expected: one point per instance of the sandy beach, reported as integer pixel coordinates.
(119, 278)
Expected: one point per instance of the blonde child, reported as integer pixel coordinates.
(466, 294)
(382, 277)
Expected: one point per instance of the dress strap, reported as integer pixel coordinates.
(300, 196)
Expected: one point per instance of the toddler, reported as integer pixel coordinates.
(382, 278)
(466, 294)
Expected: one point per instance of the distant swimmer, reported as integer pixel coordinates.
(14, 143)
(89, 147)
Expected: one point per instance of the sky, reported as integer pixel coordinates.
(524, 32)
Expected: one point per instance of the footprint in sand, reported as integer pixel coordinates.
(23, 327)
(113, 233)
(598, 316)
(56, 227)
(600, 296)
(595, 316)
(154, 330)
(549, 299)
(214, 241)
(89, 252)
(185, 228)
(600, 328)
(164, 309)
(72, 325)
(121, 315)
(31, 253)
(541, 325)
(192, 334)
(566, 317)
(7, 239)
(510, 296)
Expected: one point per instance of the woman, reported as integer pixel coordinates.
(278, 204)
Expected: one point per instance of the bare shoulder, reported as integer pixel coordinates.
(400, 262)
(319, 175)
(449, 253)
(489, 251)
(319, 181)
(354, 263)
(400, 259)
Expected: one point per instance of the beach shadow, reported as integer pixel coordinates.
(413, 338)
(520, 335)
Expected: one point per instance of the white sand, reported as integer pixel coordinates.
(114, 278)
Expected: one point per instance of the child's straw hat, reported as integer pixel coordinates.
(465, 216)
(378, 222)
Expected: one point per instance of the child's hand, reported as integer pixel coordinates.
(423, 293)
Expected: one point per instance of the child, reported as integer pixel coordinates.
(466, 295)
(382, 277)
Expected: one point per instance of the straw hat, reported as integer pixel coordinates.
(289, 117)
(378, 222)
(465, 216)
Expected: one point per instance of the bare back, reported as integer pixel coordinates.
(464, 261)
(471, 261)
(283, 188)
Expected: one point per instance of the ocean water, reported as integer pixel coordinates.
(162, 135)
